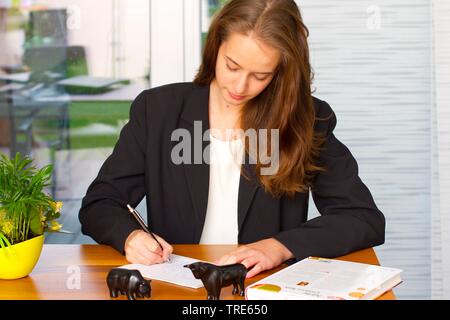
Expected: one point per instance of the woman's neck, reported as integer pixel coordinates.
(222, 117)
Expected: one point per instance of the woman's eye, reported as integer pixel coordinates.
(231, 69)
(260, 79)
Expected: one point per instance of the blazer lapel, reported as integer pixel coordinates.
(247, 190)
(196, 121)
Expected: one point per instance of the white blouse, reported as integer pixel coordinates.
(221, 223)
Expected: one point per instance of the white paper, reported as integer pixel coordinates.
(172, 272)
(321, 278)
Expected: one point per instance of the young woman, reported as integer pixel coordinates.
(255, 75)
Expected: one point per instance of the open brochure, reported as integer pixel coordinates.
(325, 279)
(172, 272)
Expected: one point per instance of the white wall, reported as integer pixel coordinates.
(373, 64)
(175, 41)
(441, 153)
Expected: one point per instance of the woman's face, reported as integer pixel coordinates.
(245, 66)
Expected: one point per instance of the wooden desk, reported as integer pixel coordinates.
(52, 277)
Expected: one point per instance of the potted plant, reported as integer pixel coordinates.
(26, 213)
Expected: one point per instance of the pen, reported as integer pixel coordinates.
(141, 222)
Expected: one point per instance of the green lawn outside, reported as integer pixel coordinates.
(102, 141)
(86, 114)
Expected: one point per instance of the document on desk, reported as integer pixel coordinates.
(172, 272)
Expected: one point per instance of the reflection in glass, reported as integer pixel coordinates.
(68, 72)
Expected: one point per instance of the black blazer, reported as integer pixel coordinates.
(177, 195)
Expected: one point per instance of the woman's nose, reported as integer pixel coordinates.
(240, 85)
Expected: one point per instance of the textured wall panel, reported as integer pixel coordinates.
(373, 65)
(441, 153)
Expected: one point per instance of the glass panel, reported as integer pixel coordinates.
(68, 71)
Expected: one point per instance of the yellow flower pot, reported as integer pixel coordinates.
(19, 260)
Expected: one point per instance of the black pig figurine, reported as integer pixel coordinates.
(215, 277)
(129, 283)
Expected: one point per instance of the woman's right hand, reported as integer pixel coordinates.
(141, 248)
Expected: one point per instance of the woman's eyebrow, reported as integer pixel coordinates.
(241, 67)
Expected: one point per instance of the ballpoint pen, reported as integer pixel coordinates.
(141, 222)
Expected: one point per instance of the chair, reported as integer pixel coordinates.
(49, 26)
(67, 61)
(31, 116)
(51, 129)
(19, 137)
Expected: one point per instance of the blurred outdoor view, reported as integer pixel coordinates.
(69, 70)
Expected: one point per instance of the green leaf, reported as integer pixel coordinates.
(36, 225)
(4, 242)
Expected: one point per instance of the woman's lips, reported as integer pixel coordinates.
(236, 97)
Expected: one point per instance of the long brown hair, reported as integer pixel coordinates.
(286, 103)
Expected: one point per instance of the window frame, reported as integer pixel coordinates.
(175, 52)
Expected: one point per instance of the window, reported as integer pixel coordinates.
(69, 70)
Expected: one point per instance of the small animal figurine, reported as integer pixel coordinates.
(129, 283)
(215, 277)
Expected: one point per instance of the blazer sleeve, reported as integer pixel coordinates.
(349, 219)
(103, 214)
